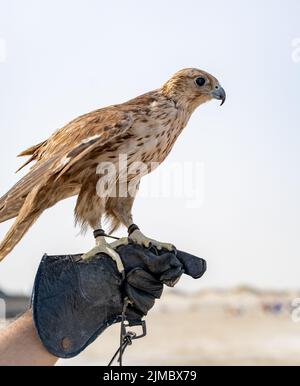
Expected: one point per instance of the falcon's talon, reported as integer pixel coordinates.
(98, 250)
(104, 248)
(120, 242)
(139, 238)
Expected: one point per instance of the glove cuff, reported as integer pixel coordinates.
(69, 302)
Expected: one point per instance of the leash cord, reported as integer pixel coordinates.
(125, 338)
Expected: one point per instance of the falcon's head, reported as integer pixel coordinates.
(193, 87)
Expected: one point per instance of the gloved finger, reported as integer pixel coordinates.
(172, 276)
(142, 280)
(162, 263)
(141, 300)
(193, 266)
(150, 259)
(133, 256)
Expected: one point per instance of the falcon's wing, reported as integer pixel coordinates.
(103, 124)
(86, 133)
(68, 146)
(96, 137)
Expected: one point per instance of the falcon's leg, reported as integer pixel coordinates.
(89, 211)
(102, 246)
(121, 209)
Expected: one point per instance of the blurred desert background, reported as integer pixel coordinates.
(233, 327)
(240, 326)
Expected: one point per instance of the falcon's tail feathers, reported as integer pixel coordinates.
(27, 217)
(10, 208)
(12, 202)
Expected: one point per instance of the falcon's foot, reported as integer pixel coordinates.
(139, 238)
(108, 249)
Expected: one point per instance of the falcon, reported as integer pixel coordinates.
(70, 163)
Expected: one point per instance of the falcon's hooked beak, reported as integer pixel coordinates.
(219, 94)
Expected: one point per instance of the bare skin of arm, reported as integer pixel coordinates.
(20, 345)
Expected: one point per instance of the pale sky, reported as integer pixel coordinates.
(59, 59)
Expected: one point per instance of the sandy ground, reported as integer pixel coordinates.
(211, 329)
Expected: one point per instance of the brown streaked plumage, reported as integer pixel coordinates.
(144, 128)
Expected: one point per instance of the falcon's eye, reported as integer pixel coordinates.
(200, 81)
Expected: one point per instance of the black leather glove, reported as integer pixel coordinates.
(75, 301)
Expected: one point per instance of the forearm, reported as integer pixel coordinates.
(20, 345)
